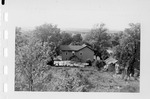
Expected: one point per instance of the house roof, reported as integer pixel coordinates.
(72, 47)
(110, 60)
(109, 51)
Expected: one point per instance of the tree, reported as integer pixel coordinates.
(128, 52)
(51, 34)
(20, 38)
(99, 39)
(133, 44)
(115, 38)
(47, 32)
(77, 38)
(66, 38)
(30, 59)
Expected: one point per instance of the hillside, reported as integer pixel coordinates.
(88, 79)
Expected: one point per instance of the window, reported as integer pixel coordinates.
(73, 53)
(66, 53)
(80, 53)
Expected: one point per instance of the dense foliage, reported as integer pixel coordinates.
(99, 39)
(32, 53)
(128, 51)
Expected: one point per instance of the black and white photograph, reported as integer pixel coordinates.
(77, 46)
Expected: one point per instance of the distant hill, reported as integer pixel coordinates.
(84, 31)
(77, 30)
(114, 31)
(73, 31)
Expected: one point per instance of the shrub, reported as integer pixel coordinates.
(89, 62)
(99, 64)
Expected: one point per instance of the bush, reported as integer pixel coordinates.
(89, 62)
(129, 88)
(96, 64)
(50, 62)
(99, 64)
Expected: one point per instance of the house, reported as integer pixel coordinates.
(111, 64)
(110, 60)
(78, 53)
(110, 51)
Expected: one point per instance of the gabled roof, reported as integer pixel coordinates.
(72, 47)
(109, 51)
(110, 60)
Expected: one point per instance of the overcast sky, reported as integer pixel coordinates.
(116, 14)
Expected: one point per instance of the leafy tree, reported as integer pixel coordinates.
(99, 39)
(51, 34)
(66, 38)
(30, 60)
(47, 32)
(115, 38)
(20, 38)
(77, 38)
(128, 52)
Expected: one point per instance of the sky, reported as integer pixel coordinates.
(115, 14)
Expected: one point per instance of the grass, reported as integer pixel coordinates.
(88, 79)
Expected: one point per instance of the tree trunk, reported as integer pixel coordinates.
(31, 79)
(31, 84)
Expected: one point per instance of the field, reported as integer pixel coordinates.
(87, 79)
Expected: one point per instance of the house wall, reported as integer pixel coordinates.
(66, 57)
(86, 54)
